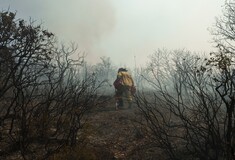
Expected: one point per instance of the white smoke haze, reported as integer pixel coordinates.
(85, 22)
(127, 31)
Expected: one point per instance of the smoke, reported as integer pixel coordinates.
(84, 22)
(124, 29)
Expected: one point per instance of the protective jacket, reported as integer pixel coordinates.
(126, 79)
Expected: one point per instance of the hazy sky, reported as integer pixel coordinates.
(127, 31)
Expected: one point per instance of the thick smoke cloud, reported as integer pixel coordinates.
(84, 22)
(127, 31)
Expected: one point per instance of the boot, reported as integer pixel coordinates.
(119, 104)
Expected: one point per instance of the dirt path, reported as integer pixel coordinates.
(116, 130)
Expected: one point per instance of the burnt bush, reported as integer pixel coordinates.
(44, 95)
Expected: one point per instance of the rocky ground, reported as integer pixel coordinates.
(118, 132)
(110, 134)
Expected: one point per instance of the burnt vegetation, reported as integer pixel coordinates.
(53, 106)
(44, 93)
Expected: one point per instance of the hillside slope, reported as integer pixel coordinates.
(117, 131)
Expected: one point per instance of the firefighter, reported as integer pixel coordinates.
(124, 88)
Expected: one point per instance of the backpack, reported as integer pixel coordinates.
(118, 83)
